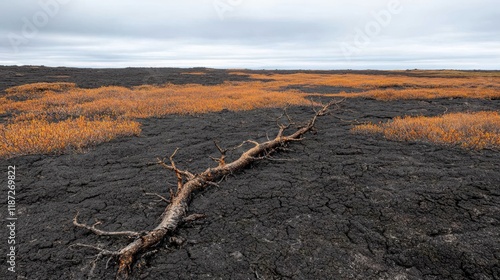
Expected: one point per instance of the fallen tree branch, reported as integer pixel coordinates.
(174, 214)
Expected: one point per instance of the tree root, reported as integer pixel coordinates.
(187, 183)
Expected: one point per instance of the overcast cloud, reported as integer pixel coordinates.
(287, 34)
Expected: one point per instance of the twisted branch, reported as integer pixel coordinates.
(174, 214)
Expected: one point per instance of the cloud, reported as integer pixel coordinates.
(253, 34)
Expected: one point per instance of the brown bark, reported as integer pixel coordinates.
(175, 212)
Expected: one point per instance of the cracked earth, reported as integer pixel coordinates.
(335, 206)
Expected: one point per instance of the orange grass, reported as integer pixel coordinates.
(62, 102)
(429, 93)
(394, 87)
(367, 82)
(40, 136)
(478, 130)
(34, 90)
(40, 87)
(152, 101)
(449, 73)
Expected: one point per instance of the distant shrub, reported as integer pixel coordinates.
(40, 87)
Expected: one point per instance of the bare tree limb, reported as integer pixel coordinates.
(172, 167)
(174, 214)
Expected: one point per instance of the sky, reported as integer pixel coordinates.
(254, 34)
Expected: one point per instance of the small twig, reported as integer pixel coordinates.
(107, 263)
(288, 116)
(177, 173)
(283, 148)
(285, 114)
(242, 144)
(222, 158)
(212, 184)
(102, 252)
(312, 106)
(336, 103)
(161, 197)
(170, 184)
(282, 130)
(130, 234)
(283, 127)
(222, 151)
(253, 142)
(185, 173)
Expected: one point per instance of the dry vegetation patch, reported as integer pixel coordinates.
(477, 130)
(52, 105)
(39, 136)
(153, 101)
(45, 115)
(436, 84)
(431, 93)
(33, 91)
(40, 87)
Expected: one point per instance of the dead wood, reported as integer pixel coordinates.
(175, 213)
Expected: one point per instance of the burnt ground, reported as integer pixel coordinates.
(341, 206)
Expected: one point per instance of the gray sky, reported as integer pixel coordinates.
(285, 34)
